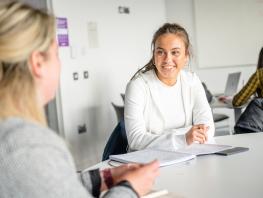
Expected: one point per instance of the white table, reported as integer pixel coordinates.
(234, 176)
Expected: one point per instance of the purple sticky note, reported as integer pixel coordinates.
(62, 23)
(63, 40)
(62, 32)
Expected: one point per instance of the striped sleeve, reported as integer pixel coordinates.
(247, 91)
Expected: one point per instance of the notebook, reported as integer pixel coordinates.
(168, 157)
(147, 155)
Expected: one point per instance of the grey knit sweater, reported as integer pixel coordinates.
(35, 163)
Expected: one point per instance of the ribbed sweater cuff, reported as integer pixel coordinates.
(95, 181)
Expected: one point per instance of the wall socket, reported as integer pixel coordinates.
(75, 76)
(86, 74)
(124, 10)
(82, 128)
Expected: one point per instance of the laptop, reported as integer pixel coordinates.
(230, 88)
(232, 83)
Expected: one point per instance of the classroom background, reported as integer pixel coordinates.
(103, 43)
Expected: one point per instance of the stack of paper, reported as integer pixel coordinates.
(168, 157)
(145, 156)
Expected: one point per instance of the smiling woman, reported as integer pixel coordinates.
(170, 56)
(165, 106)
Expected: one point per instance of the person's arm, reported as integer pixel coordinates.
(138, 137)
(133, 180)
(43, 167)
(91, 180)
(123, 189)
(247, 91)
(95, 182)
(139, 178)
(202, 113)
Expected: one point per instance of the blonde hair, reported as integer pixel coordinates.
(23, 30)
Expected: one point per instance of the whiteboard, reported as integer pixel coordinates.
(228, 32)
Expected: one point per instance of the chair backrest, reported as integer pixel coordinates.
(251, 120)
(117, 142)
(119, 111)
(123, 96)
(217, 117)
(208, 94)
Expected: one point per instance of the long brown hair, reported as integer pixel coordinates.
(23, 30)
(167, 28)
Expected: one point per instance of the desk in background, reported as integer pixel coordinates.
(218, 104)
(234, 176)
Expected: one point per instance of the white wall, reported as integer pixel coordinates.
(182, 12)
(123, 46)
(229, 26)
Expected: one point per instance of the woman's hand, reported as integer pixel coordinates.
(197, 133)
(141, 177)
(117, 174)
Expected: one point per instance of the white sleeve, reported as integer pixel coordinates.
(202, 113)
(135, 124)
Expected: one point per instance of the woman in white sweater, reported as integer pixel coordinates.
(165, 106)
(34, 161)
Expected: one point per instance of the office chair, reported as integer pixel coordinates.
(119, 111)
(117, 142)
(123, 96)
(250, 120)
(217, 117)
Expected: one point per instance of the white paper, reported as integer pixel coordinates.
(147, 155)
(203, 149)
